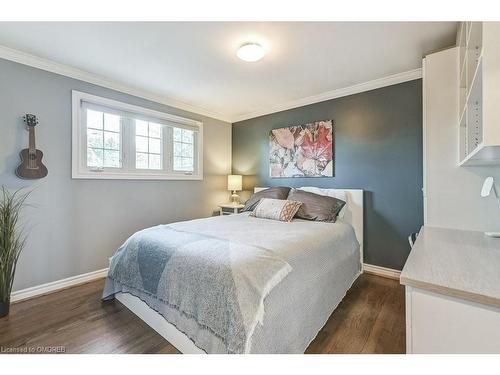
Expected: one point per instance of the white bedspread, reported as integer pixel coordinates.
(325, 261)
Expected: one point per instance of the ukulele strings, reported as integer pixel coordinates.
(31, 160)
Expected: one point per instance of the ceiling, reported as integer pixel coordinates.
(195, 62)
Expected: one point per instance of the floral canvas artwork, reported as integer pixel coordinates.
(302, 151)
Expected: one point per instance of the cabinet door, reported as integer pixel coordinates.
(442, 324)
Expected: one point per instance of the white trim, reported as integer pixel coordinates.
(382, 271)
(54, 286)
(135, 176)
(424, 142)
(82, 75)
(79, 96)
(350, 90)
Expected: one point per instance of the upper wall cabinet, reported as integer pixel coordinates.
(479, 93)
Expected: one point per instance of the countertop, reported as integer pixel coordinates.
(457, 263)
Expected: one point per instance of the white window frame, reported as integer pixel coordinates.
(79, 144)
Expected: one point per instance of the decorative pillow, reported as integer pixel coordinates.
(277, 192)
(276, 209)
(316, 207)
(335, 193)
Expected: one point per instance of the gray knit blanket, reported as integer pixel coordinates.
(198, 282)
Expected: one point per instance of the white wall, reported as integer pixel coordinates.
(76, 225)
(451, 193)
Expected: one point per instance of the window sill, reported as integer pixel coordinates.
(133, 176)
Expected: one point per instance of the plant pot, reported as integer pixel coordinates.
(4, 308)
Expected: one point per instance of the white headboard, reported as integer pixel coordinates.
(353, 212)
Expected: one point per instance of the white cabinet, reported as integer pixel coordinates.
(440, 324)
(452, 283)
(479, 93)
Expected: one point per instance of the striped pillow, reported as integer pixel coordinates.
(276, 209)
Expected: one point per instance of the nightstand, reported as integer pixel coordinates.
(230, 209)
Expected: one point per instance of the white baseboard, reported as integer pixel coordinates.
(381, 271)
(99, 274)
(57, 285)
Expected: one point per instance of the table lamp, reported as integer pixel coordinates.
(234, 182)
(488, 187)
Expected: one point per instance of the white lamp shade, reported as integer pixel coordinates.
(234, 182)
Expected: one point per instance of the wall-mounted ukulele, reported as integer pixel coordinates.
(31, 166)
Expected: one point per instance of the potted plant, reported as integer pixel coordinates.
(12, 240)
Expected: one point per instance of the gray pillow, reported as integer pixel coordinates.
(316, 207)
(277, 192)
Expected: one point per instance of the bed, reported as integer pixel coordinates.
(310, 267)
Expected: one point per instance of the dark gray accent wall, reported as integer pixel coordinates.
(378, 148)
(76, 225)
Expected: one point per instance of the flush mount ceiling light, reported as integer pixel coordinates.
(251, 52)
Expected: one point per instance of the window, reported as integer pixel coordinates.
(183, 150)
(120, 141)
(103, 140)
(148, 145)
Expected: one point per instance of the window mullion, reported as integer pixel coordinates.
(149, 155)
(124, 139)
(83, 135)
(196, 155)
(128, 144)
(168, 149)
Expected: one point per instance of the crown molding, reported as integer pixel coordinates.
(355, 89)
(82, 75)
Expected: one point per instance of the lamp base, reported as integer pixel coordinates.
(235, 198)
(492, 234)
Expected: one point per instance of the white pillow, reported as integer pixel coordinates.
(335, 193)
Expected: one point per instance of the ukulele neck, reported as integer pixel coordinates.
(32, 147)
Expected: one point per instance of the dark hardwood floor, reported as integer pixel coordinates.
(370, 319)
